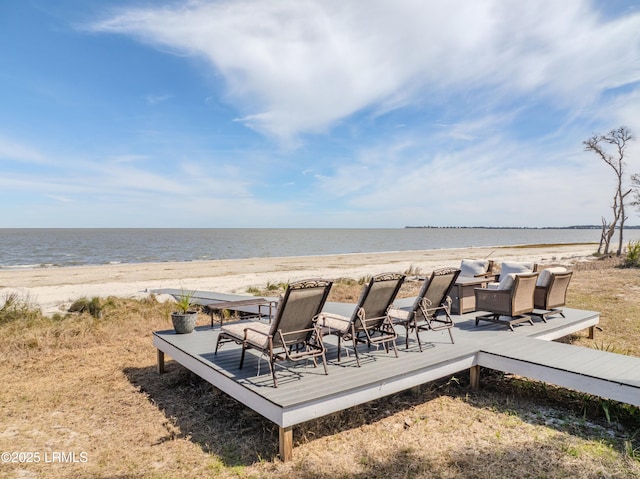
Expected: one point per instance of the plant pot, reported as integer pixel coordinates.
(184, 323)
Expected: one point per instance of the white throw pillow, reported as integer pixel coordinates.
(473, 267)
(545, 275)
(509, 267)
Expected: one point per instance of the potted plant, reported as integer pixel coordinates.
(184, 319)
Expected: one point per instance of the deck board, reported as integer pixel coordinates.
(299, 383)
(305, 392)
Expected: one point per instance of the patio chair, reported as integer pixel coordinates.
(551, 292)
(431, 308)
(514, 301)
(292, 334)
(369, 322)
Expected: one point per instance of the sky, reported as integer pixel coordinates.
(313, 113)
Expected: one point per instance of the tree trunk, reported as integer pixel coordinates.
(623, 218)
(609, 234)
(602, 234)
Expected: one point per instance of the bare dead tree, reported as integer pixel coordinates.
(601, 144)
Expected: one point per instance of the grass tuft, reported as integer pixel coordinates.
(413, 271)
(17, 308)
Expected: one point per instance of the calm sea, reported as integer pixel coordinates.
(67, 247)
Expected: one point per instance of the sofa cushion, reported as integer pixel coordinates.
(507, 280)
(473, 267)
(509, 267)
(545, 275)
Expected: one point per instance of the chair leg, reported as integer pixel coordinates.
(406, 335)
(355, 349)
(242, 356)
(393, 345)
(415, 326)
(324, 363)
(272, 366)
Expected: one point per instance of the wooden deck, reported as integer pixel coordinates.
(305, 393)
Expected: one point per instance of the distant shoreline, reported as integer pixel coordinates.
(578, 227)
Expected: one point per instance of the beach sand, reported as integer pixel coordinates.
(54, 289)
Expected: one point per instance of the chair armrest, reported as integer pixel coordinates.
(487, 275)
(483, 293)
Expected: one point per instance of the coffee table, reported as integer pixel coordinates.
(251, 307)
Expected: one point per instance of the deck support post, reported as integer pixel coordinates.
(475, 377)
(286, 443)
(592, 332)
(160, 362)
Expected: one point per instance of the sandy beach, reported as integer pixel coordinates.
(54, 289)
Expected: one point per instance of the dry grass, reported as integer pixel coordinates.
(79, 384)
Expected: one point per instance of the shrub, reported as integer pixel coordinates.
(632, 259)
(91, 306)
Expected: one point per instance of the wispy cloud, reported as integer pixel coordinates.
(62, 199)
(128, 158)
(155, 99)
(16, 151)
(301, 66)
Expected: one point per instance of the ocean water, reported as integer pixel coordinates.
(25, 248)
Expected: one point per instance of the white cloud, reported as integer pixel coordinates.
(297, 66)
(128, 158)
(17, 151)
(489, 182)
(155, 99)
(62, 199)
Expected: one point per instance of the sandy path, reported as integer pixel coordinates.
(53, 289)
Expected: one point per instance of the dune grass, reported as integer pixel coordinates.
(88, 384)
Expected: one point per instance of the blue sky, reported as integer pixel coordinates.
(302, 113)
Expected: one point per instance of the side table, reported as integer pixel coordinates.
(462, 295)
